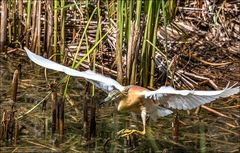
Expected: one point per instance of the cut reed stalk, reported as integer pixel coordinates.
(15, 85)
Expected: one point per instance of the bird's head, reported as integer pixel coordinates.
(117, 95)
(113, 95)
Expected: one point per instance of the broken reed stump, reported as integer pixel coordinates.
(202, 140)
(15, 85)
(57, 113)
(175, 132)
(54, 109)
(61, 117)
(9, 125)
(89, 116)
(175, 128)
(93, 118)
(45, 118)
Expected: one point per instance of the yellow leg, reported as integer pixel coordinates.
(128, 132)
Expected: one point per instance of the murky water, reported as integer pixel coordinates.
(206, 132)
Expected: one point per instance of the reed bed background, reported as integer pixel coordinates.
(187, 44)
(124, 38)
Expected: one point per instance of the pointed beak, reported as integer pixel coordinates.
(111, 96)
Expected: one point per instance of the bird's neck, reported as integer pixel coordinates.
(122, 106)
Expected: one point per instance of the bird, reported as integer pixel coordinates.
(142, 101)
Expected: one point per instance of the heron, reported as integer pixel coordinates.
(140, 100)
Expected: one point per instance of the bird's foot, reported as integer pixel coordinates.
(128, 132)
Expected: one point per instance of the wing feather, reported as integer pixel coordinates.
(105, 83)
(187, 99)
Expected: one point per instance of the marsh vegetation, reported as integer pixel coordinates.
(186, 44)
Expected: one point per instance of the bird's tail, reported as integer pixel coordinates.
(160, 112)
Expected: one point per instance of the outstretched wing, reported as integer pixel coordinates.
(187, 99)
(105, 83)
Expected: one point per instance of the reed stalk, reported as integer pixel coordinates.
(63, 16)
(74, 64)
(157, 5)
(129, 34)
(54, 111)
(9, 23)
(129, 16)
(45, 26)
(81, 40)
(74, 32)
(90, 51)
(34, 26)
(144, 71)
(49, 27)
(165, 21)
(38, 43)
(202, 140)
(130, 53)
(3, 34)
(96, 40)
(87, 8)
(119, 40)
(15, 85)
(28, 21)
(55, 29)
(14, 11)
(137, 39)
(20, 19)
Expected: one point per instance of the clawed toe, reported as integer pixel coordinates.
(128, 132)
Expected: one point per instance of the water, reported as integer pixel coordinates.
(206, 132)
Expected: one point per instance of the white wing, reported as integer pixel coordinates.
(187, 99)
(105, 83)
